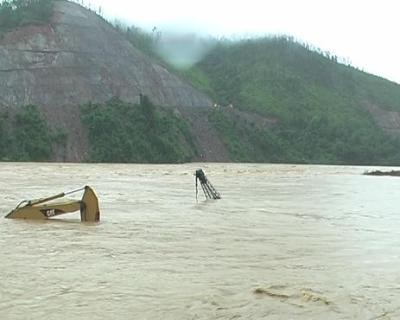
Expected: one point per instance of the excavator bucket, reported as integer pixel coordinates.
(45, 208)
(90, 211)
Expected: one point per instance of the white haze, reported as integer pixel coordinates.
(182, 50)
(362, 32)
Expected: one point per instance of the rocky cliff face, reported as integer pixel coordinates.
(78, 58)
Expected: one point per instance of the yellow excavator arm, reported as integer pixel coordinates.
(45, 208)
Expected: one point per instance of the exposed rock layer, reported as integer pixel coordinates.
(78, 58)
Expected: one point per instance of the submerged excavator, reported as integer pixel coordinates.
(45, 208)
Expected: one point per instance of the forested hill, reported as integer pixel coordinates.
(322, 111)
(76, 88)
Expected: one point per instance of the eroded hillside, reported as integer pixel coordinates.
(78, 58)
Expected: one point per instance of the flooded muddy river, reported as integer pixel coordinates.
(284, 242)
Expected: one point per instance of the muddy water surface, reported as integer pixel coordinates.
(285, 242)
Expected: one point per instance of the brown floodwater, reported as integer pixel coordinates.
(284, 242)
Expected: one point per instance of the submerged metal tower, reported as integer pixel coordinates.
(209, 191)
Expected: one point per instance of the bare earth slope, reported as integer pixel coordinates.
(79, 58)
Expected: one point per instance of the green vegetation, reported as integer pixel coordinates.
(248, 143)
(25, 136)
(32, 138)
(123, 132)
(320, 105)
(321, 108)
(15, 13)
(199, 79)
(142, 40)
(3, 138)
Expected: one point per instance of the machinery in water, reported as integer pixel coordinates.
(209, 191)
(45, 208)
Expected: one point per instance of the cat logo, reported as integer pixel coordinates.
(49, 212)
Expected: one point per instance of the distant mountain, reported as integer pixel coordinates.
(321, 111)
(75, 88)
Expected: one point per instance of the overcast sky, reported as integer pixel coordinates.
(364, 32)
